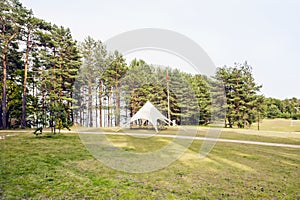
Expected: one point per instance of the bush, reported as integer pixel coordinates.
(286, 115)
(274, 112)
(296, 116)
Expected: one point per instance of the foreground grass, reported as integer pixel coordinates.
(60, 167)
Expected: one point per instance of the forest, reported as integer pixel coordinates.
(48, 79)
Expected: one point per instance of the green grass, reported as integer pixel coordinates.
(282, 125)
(271, 130)
(227, 133)
(60, 167)
(286, 138)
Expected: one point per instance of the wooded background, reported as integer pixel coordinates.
(50, 80)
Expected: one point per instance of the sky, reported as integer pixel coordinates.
(265, 33)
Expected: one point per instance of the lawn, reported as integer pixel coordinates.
(226, 133)
(60, 167)
(284, 125)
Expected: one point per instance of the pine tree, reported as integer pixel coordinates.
(31, 27)
(11, 10)
(241, 94)
(112, 76)
(57, 66)
(202, 93)
(94, 57)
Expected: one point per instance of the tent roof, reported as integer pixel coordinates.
(150, 113)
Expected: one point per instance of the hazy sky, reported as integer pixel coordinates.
(263, 32)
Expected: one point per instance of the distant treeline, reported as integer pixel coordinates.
(49, 80)
(276, 108)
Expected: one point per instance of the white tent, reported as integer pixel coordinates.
(150, 113)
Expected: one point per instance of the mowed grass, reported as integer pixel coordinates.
(60, 167)
(225, 133)
(281, 125)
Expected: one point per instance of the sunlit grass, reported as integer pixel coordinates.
(60, 167)
(284, 125)
(225, 133)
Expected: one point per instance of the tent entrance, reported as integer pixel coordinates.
(147, 125)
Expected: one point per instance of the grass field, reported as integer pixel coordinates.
(60, 167)
(285, 125)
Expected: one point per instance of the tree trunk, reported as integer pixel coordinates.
(80, 117)
(43, 110)
(108, 111)
(23, 122)
(258, 121)
(111, 110)
(90, 105)
(100, 102)
(69, 113)
(4, 65)
(117, 120)
(0, 114)
(60, 76)
(70, 110)
(4, 59)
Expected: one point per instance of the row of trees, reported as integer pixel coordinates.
(194, 99)
(39, 64)
(276, 108)
(47, 79)
(107, 86)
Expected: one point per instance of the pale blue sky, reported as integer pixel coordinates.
(263, 32)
